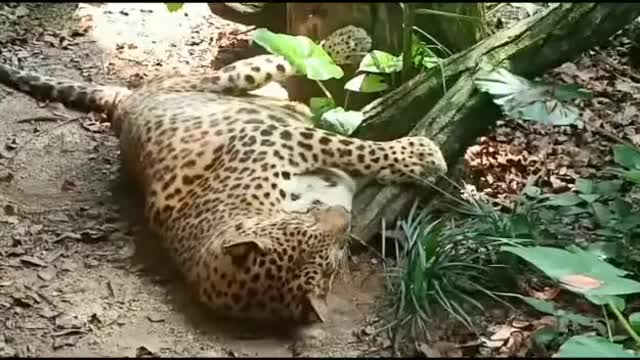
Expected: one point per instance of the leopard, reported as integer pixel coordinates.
(319, 188)
(215, 164)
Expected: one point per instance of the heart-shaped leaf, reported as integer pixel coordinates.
(306, 56)
(582, 346)
(380, 62)
(579, 271)
(367, 83)
(340, 121)
(564, 199)
(627, 156)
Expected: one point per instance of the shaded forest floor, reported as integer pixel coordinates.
(74, 278)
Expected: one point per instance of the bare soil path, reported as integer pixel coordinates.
(75, 277)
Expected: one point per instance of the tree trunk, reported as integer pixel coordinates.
(528, 49)
(456, 34)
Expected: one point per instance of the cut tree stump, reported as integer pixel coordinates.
(455, 119)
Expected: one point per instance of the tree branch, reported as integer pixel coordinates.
(529, 48)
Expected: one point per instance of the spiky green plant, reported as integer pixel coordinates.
(437, 266)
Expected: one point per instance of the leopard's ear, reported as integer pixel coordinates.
(317, 308)
(242, 248)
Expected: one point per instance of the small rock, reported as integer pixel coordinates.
(91, 263)
(48, 313)
(33, 261)
(368, 330)
(66, 321)
(47, 274)
(34, 229)
(68, 265)
(311, 337)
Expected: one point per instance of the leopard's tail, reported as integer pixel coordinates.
(74, 95)
(237, 78)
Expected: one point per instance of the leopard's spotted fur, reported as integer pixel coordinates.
(216, 169)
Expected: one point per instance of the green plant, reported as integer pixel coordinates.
(311, 60)
(438, 265)
(627, 157)
(520, 98)
(173, 7)
(598, 205)
(601, 283)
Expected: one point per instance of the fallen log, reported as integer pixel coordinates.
(457, 117)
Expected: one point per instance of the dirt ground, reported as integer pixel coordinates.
(75, 277)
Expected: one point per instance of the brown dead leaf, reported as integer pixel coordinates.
(516, 343)
(626, 86)
(548, 293)
(33, 261)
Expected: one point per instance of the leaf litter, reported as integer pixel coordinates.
(501, 164)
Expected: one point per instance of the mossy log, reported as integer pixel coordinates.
(457, 117)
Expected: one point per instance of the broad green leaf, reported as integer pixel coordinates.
(319, 105)
(431, 61)
(322, 69)
(628, 222)
(618, 302)
(608, 187)
(532, 191)
(559, 114)
(589, 198)
(545, 336)
(173, 7)
(340, 121)
(564, 199)
(422, 54)
(306, 56)
(627, 156)
(523, 99)
(634, 321)
(584, 186)
(367, 83)
(632, 176)
(543, 306)
(582, 346)
(380, 62)
(578, 271)
(549, 307)
(603, 250)
(568, 92)
(602, 213)
(504, 87)
(567, 211)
